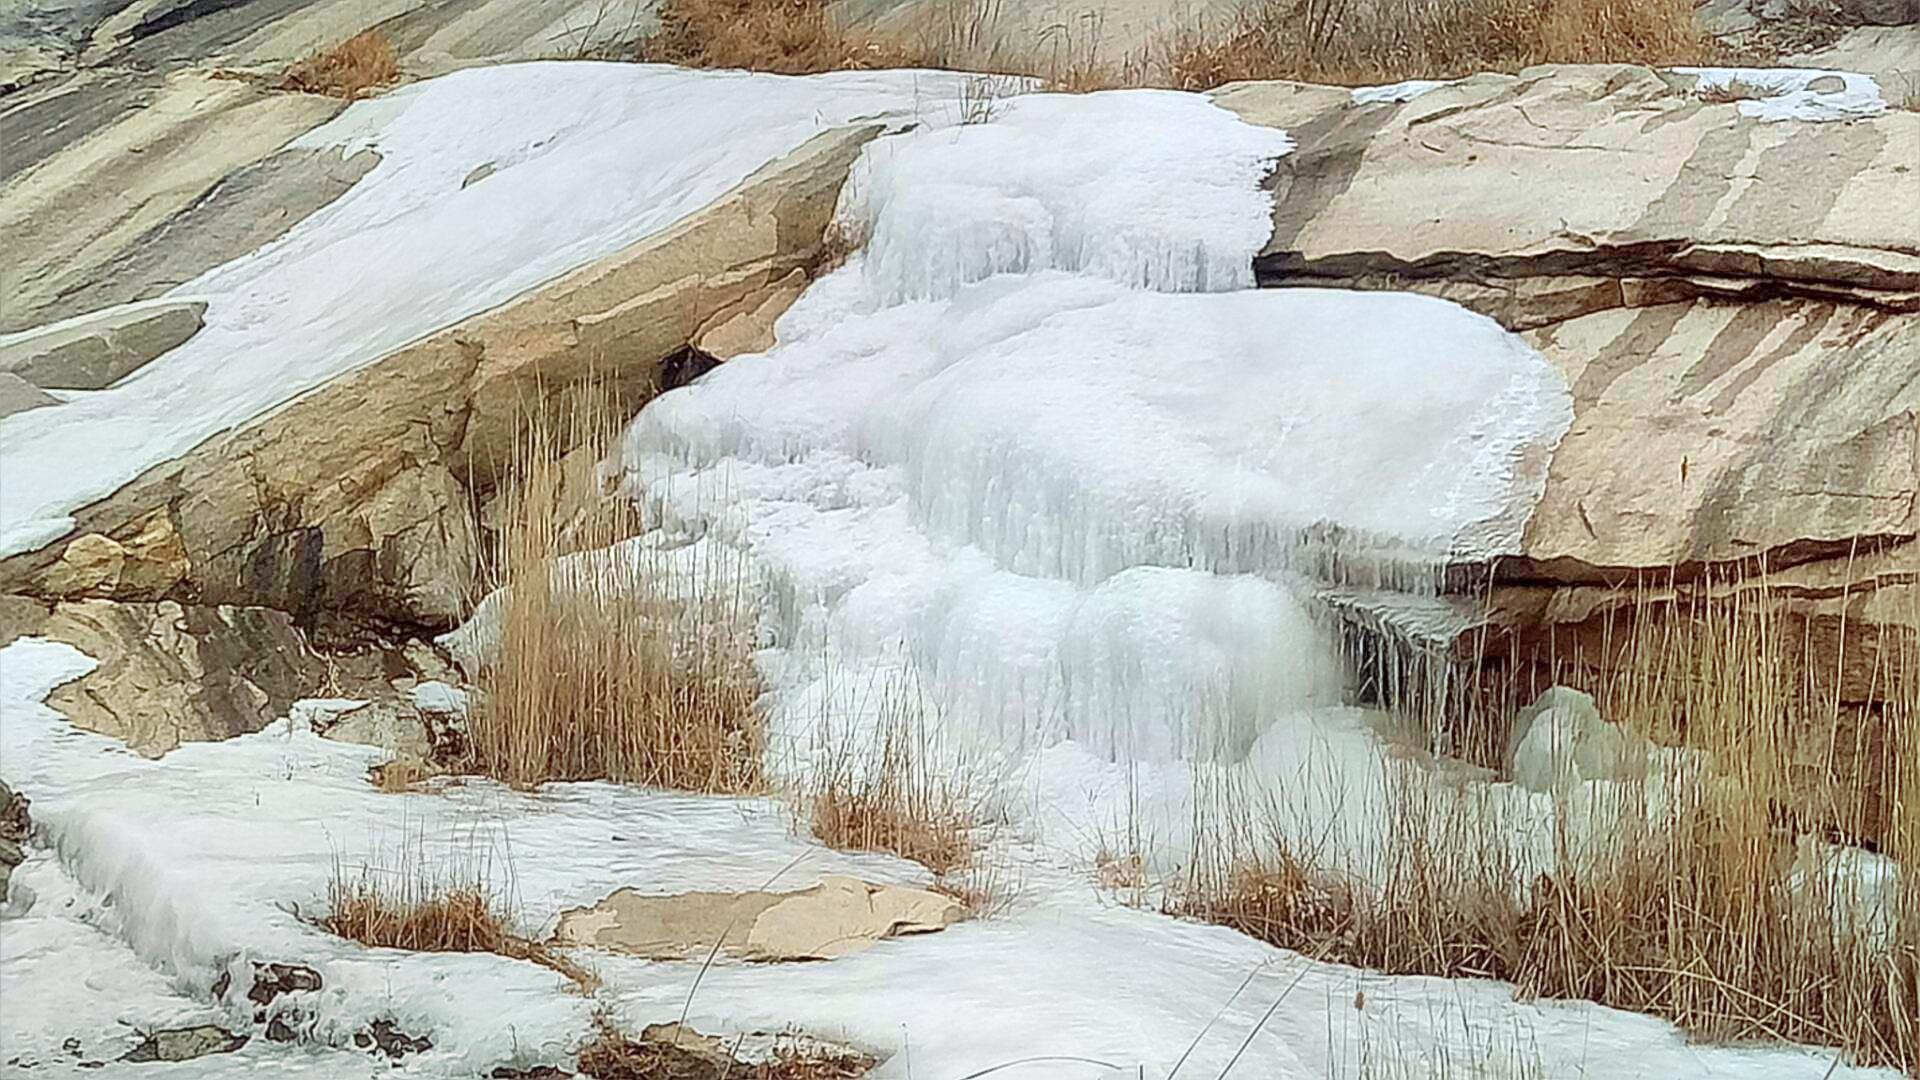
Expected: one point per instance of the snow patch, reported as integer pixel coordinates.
(1791, 94)
(1395, 93)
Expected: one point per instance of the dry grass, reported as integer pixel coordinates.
(1737, 90)
(352, 69)
(1698, 894)
(612, 663)
(402, 774)
(1362, 42)
(889, 797)
(613, 1055)
(426, 905)
(788, 37)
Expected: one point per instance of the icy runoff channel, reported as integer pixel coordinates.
(1045, 440)
(586, 158)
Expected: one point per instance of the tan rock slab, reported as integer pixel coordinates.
(839, 917)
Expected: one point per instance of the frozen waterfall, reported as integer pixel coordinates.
(1044, 448)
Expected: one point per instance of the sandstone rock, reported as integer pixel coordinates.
(838, 917)
(110, 165)
(98, 350)
(370, 519)
(170, 673)
(147, 566)
(21, 616)
(18, 395)
(391, 724)
(1891, 54)
(185, 1044)
(1735, 312)
(1669, 188)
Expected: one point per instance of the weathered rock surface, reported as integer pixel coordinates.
(371, 518)
(185, 1044)
(1735, 306)
(101, 168)
(170, 673)
(96, 351)
(15, 825)
(838, 917)
(19, 395)
(42, 40)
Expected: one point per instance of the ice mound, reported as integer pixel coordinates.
(1037, 444)
(1150, 188)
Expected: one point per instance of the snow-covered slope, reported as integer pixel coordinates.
(586, 158)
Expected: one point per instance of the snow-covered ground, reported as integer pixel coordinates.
(1040, 453)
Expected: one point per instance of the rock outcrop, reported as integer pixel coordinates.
(373, 519)
(96, 351)
(1735, 305)
(838, 917)
(171, 673)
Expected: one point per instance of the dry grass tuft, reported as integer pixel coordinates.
(613, 1055)
(1363, 42)
(889, 797)
(788, 37)
(423, 907)
(1698, 893)
(419, 917)
(613, 663)
(1738, 90)
(351, 69)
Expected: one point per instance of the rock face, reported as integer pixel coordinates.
(106, 165)
(170, 673)
(372, 519)
(19, 395)
(838, 917)
(1735, 306)
(97, 351)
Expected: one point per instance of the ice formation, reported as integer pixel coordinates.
(1043, 442)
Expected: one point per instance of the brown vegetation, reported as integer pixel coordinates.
(351, 69)
(888, 797)
(611, 663)
(1347, 42)
(1362, 42)
(421, 907)
(1696, 893)
(679, 1055)
(788, 37)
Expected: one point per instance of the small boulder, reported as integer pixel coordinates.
(185, 1044)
